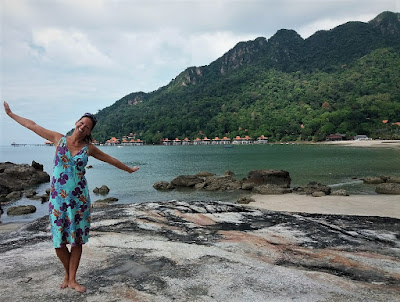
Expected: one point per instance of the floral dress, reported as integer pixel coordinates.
(69, 206)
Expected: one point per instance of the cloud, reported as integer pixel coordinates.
(64, 57)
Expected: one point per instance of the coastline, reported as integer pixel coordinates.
(393, 144)
(359, 205)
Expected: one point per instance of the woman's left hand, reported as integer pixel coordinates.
(134, 169)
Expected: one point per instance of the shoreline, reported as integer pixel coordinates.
(393, 144)
(358, 205)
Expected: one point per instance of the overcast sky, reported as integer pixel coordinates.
(62, 58)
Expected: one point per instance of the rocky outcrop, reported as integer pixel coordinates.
(103, 190)
(388, 188)
(270, 189)
(271, 177)
(278, 180)
(17, 177)
(210, 251)
(21, 210)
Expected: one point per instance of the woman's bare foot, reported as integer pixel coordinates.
(65, 282)
(75, 285)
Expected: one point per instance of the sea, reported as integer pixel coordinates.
(340, 167)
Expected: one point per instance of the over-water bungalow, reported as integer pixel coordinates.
(176, 142)
(112, 141)
(138, 142)
(197, 141)
(216, 141)
(225, 141)
(261, 140)
(186, 141)
(167, 142)
(206, 141)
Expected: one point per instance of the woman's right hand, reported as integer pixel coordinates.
(7, 108)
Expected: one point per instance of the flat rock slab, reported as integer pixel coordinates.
(210, 251)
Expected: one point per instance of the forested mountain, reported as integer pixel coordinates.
(345, 80)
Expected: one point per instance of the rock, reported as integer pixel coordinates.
(273, 177)
(246, 185)
(316, 187)
(15, 177)
(103, 190)
(270, 189)
(21, 210)
(186, 181)
(222, 183)
(14, 195)
(393, 179)
(229, 173)
(210, 251)
(318, 194)
(163, 185)
(30, 193)
(37, 166)
(205, 174)
(245, 200)
(373, 180)
(108, 200)
(89, 167)
(48, 190)
(388, 188)
(340, 192)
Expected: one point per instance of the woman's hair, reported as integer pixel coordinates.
(89, 137)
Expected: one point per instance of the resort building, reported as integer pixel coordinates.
(112, 141)
(225, 141)
(177, 141)
(186, 141)
(197, 141)
(361, 138)
(167, 142)
(261, 140)
(242, 140)
(206, 141)
(216, 141)
(335, 137)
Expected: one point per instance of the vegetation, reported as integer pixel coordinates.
(346, 81)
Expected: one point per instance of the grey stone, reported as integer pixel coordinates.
(163, 185)
(273, 177)
(245, 200)
(30, 193)
(340, 192)
(14, 195)
(186, 181)
(21, 210)
(17, 177)
(388, 188)
(103, 190)
(270, 189)
(373, 180)
(393, 179)
(318, 194)
(314, 186)
(205, 174)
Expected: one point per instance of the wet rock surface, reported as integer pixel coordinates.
(210, 251)
(17, 177)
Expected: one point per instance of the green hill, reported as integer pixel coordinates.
(345, 80)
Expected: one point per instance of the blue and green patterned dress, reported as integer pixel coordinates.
(69, 206)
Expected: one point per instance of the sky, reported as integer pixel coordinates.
(62, 58)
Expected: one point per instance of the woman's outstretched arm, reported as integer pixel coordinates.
(52, 136)
(100, 155)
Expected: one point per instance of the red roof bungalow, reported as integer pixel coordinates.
(216, 141)
(206, 141)
(186, 141)
(197, 141)
(334, 137)
(225, 141)
(167, 142)
(262, 140)
(177, 141)
(112, 141)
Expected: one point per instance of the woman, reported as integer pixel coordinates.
(69, 205)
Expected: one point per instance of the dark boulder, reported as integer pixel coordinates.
(21, 210)
(103, 190)
(317, 187)
(270, 189)
(388, 188)
(280, 178)
(17, 177)
(163, 185)
(186, 180)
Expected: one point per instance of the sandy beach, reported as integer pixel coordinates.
(361, 205)
(394, 144)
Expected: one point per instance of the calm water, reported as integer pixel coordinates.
(331, 165)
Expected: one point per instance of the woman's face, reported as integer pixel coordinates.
(84, 126)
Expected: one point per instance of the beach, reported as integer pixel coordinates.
(361, 205)
(395, 144)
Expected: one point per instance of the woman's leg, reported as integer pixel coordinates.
(64, 255)
(76, 253)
